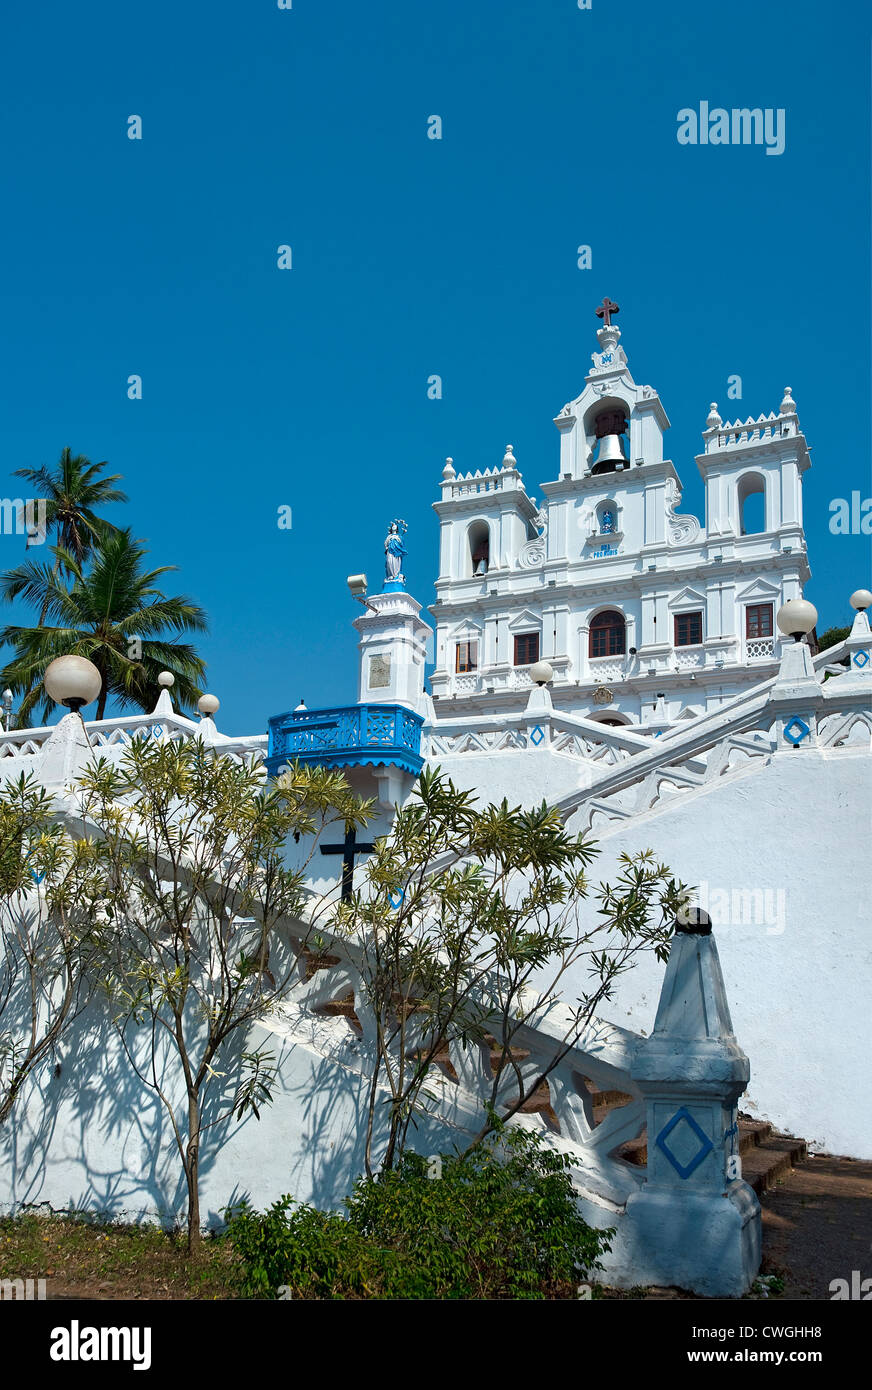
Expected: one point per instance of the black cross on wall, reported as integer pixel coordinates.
(348, 850)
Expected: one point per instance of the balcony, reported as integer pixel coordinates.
(357, 736)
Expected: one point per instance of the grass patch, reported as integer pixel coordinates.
(83, 1258)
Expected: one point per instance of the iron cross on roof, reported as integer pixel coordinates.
(606, 309)
(348, 850)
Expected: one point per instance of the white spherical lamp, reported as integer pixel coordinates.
(797, 617)
(861, 599)
(166, 679)
(72, 681)
(208, 705)
(541, 673)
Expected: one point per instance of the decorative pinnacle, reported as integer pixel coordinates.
(788, 405)
(509, 460)
(714, 420)
(448, 470)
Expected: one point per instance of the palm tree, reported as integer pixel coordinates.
(72, 491)
(111, 613)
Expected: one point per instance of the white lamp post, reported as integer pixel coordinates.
(796, 618)
(797, 693)
(72, 681)
(208, 705)
(859, 643)
(541, 673)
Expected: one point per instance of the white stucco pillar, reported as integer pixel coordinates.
(796, 699)
(66, 751)
(859, 643)
(694, 1223)
(539, 711)
(649, 630)
(583, 648)
(444, 549)
(393, 649)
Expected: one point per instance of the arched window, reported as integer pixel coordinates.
(608, 634)
(606, 518)
(478, 538)
(752, 504)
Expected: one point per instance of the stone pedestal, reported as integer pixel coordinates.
(694, 1223)
(796, 698)
(538, 714)
(65, 752)
(859, 644)
(393, 650)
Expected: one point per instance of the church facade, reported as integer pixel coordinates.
(645, 614)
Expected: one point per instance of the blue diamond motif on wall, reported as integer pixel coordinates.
(861, 658)
(706, 1146)
(156, 731)
(796, 730)
(536, 736)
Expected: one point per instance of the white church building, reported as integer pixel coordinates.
(645, 614)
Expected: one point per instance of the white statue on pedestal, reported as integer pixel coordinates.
(394, 552)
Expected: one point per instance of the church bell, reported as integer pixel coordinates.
(609, 453)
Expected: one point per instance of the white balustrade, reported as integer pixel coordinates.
(758, 648)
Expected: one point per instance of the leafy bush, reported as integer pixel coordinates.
(501, 1222)
(832, 637)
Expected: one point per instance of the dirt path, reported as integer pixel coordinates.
(817, 1226)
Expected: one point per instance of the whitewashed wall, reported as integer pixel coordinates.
(800, 984)
(795, 832)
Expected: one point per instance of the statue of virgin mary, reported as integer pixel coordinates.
(394, 552)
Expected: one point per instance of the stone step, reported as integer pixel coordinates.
(770, 1159)
(752, 1133)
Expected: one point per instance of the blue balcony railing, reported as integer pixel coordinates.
(357, 736)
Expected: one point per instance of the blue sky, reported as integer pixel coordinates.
(308, 388)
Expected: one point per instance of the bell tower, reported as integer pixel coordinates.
(615, 487)
(614, 424)
(752, 470)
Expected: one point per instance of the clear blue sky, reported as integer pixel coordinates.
(308, 388)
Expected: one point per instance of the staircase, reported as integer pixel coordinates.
(767, 1155)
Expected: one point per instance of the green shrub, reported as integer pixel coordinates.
(500, 1223)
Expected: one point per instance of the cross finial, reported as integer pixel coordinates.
(606, 309)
